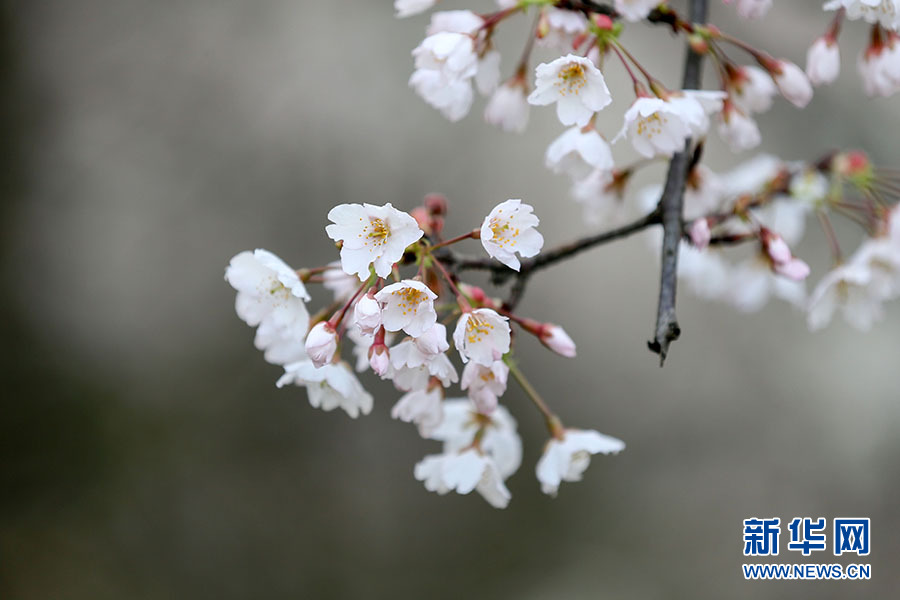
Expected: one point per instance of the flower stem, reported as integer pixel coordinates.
(460, 298)
(553, 422)
(458, 238)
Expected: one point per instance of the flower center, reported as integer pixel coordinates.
(410, 298)
(375, 233)
(571, 79)
(477, 329)
(652, 125)
(503, 232)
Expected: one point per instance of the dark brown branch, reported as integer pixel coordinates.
(670, 207)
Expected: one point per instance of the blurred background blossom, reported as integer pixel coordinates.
(146, 452)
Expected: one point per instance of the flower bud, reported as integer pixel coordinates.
(321, 344)
(795, 269)
(700, 234)
(367, 314)
(555, 338)
(792, 83)
(823, 61)
(379, 359)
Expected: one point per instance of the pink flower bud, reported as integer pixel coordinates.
(792, 83)
(555, 338)
(367, 314)
(321, 344)
(379, 359)
(795, 269)
(700, 234)
(777, 249)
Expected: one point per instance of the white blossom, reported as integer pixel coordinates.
(267, 288)
(658, 127)
(485, 384)
(566, 459)
(282, 343)
(577, 153)
(753, 89)
(463, 472)
(422, 407)
(851, 288)
(752, 282)
(407, 305)
(751, 9)
(482, 336)
(499, 437)
(635, 10)
(879, 69)
(885, 12)
(331, 386)
(510, 229)
(372, 236)
(508, 107)
(602, 202)
(737, 129)
(454, 21)
(823, 61)
(559, 27)
(445, 64)
(408, 8)
(575, 85)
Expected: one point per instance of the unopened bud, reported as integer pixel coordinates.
(321, 344)
(555, 338)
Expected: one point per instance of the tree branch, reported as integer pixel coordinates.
(670, 208)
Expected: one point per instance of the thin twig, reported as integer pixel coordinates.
(670, 207)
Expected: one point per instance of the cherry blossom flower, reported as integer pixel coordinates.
(321, 343)
(463, 472)
(577, 153)
(848, 287)
(408, 8)
(575, 85)
(738, 130)
(367, 314)
(372, 236)
(752, 282)
(658, 127)
(267, 288)
(879, 67)
(751, 9)
(753, 88)
(445, 64)
(508, 107)
(508, 229)
(282, 344)
(454, 21)
(485, 384)
(558, 28)
(413, 361)
(566, 459)
(499, 437)
(823, 61)
(792, 82)
(635, 10)
(331, 386)
(407, 305)
(379, 360)
(885, 12)
(555, 338)
(482, 336)
(422, 407)
(433, 340)
(601, 198)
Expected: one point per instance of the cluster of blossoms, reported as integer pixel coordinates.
(396, 323)
(396, 326)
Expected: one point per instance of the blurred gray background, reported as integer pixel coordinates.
(144, 450)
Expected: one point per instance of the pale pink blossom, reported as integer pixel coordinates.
(321, 343)
(577, 153)
(792, 82)
(823, 61)
(482, 336)
(555, 338)
(485, 384)
(407, 305)
(510, 228)
(367, 314)
(575, 85)
(566, 459)
(700, 234)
